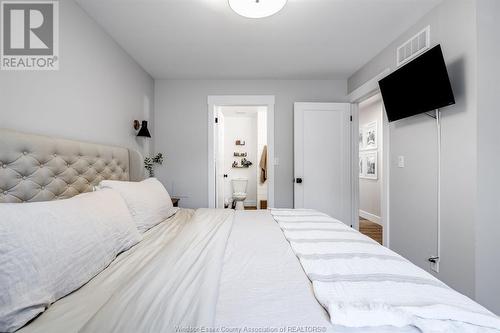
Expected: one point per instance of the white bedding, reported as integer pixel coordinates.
(168, 279)
(148, 201)
(264, 286)
(243, 274)
(360, 282)
(49, 249)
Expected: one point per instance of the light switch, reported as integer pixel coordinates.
(276, 161)
(401, 161)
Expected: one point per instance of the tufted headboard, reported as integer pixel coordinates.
(40, 168)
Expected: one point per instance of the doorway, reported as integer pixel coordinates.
(241, 162)
(371, 127)
(357, 97)
(241, 152)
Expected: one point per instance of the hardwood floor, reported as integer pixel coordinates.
(250, 208)
(370, 229)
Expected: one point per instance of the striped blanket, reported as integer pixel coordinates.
(361, 283)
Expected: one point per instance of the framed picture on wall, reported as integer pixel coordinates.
(371, 135)
(370, 165)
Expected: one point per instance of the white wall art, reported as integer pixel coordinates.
(368, 143)
(368, 165)
(370, 136)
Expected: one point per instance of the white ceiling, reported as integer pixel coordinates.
(204, 39)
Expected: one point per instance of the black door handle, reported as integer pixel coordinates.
(298, 180)
(225, 176)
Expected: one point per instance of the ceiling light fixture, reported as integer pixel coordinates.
(257, 8)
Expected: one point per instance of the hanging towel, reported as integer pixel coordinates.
(263, 165)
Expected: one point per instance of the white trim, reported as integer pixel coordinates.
(368, 89)
(370, 217)
(355, 170)
(362, 93)
(240, 100)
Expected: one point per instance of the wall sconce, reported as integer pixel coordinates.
(143, 129)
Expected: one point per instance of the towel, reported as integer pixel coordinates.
(263, 165)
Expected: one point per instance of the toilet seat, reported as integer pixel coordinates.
(239, 192)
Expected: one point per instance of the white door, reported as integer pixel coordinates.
(322, 160)
(220, 177)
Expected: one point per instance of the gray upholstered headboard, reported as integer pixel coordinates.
(40, 168)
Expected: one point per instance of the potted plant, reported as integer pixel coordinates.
(150, 162)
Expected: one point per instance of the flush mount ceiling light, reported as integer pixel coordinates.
(257, 8)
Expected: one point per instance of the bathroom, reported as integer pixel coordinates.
(241, 163)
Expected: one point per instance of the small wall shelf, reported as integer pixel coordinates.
(236, 154)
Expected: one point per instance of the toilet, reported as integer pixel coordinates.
(239, 192)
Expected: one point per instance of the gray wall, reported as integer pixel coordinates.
(370, 189)
(488, 156)
(97, 93)
(181, 129)
(413, 189)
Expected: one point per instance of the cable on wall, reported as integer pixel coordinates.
(435, 259)
(438, 123)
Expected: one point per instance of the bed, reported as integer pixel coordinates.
(199, 270)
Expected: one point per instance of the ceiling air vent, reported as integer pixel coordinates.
(414, 46)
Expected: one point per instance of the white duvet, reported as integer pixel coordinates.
(167, 281)
(205, 270)
(178, 288)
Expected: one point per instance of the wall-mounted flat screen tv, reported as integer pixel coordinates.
(420, 86)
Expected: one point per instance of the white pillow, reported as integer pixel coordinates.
(49, 249)
(148, 201)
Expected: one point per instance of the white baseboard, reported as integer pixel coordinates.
(370, 217)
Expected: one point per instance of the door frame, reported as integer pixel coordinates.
(214, 101)
(365, 91)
